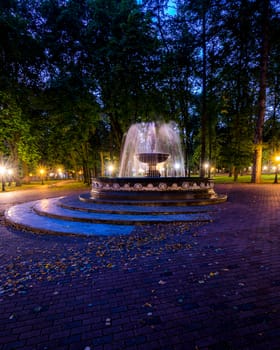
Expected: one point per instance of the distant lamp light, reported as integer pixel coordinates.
(59, 171)
(3, 171)
(176, 167)
(42, 172)
(110, 169)
(277, 160)
(206, 168)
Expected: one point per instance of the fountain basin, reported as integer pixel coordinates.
(151, 190)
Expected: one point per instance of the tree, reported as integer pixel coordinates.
(16, 143)
(121, 47)
(258, 140)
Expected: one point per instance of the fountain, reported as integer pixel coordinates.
(152, 143)
(152, 171)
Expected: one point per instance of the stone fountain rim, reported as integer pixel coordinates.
(162, 190)
(147, 179)
(152, 184)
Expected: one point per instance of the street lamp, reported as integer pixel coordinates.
(2, 173)
(42, 171)
(176, 167)
(59, 171)
(110, 169)
(277, 158)
(206, 167)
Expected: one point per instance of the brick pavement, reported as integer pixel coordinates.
(165, 287)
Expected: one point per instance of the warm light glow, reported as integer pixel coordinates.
(110, 168)
(2, 170)
(277, 158)
(42, 171)
(10, 172)
(206, 165)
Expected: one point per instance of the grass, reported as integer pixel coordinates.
(224, 179)
(51, 184)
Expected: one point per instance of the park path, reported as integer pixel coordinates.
(41, 191)
(165, 287)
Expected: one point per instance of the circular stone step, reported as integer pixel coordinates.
(23, 217)
(71, 202)
(157, 202)
(49, 216)
(50, 208)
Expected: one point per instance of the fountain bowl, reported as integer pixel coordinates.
(152, 158)
(155, 190)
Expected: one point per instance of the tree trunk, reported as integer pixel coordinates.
(235, 174)
(257, 165)
(102, 170)
(203, 109)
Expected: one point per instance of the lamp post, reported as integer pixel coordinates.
(110, 169)
(59, 172)
(206, 167)
(277, 158)
(176, 167)
(2, 173)
(42, 176)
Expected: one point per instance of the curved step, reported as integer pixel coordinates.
(150, 203)
(73, 203)
(50, 208)
(48, 216)
(22, 216)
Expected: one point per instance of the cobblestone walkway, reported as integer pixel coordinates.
(214, 286)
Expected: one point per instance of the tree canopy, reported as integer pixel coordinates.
(75, 74)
